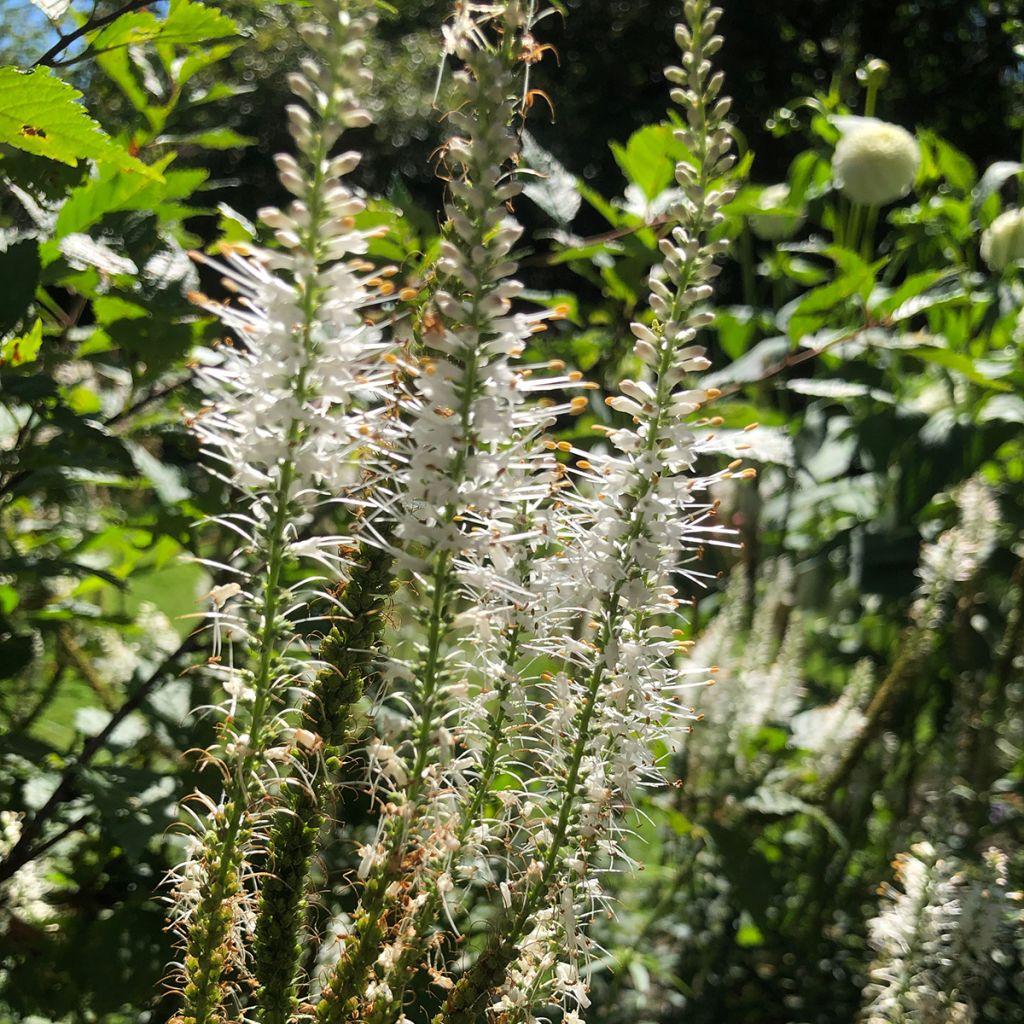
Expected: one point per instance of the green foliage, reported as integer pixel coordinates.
(879, 355)
(41, 115)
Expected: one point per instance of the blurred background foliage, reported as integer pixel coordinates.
(870, 691)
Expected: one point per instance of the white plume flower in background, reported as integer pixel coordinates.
(939, 937)
(875, 162)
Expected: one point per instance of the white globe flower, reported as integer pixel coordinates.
(774, 227)
(874, 162)
(1002, 242)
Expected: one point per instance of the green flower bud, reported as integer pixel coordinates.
(774, 227)
(874, 74)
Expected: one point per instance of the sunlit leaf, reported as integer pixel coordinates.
(41, 114)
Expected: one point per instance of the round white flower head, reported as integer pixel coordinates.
(1002, 242)
(874, 162)
(773, 226)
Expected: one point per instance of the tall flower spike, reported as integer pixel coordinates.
(633, 522)
(472, 472)
(290, 408)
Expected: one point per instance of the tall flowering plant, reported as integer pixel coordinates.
(526, 677)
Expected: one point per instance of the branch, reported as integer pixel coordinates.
(27, 848)
(88, 26)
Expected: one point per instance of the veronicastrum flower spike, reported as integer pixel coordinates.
(631, 520)
(467, 496)
(287, 416)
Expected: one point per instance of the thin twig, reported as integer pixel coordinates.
(49, 692)
(67, 643)
(27, 848)
(154, 396)
(90, 25)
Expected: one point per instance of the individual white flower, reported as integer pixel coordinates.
(1002, 242)
(875, 162)
(773, 226)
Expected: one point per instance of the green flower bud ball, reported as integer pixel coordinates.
(775, 227)
(1002, 242)
(875, 162)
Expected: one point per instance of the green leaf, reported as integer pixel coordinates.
(24, 349)
(166, 480)
(113, 191)
(19, 270)
(204, 57)
(958, 363)
(918, 293)
(993, 179)
(737, 326)
(41, 114)
(1008, 408)
(551, 186)
(215, 138)
(748, 935)
(946, 161)
(648, 160)
(187, 23)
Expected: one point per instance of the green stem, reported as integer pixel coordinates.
(349, 653)
(344, 990)
(206, 956)
(747, 264)
(418, 936)
(853, 227)
(868, 242)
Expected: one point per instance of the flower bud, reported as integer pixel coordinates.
(1002, 242)
(775, 227)
(875, 162)
(874, 74)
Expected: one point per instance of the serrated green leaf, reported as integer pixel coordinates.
(201, 58)
(112, 191)
(41, 114)
(186, 23)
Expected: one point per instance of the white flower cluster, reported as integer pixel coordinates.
(934, 938)
(24, 894)
(957, 554)
(536, 677)
(295, 395)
